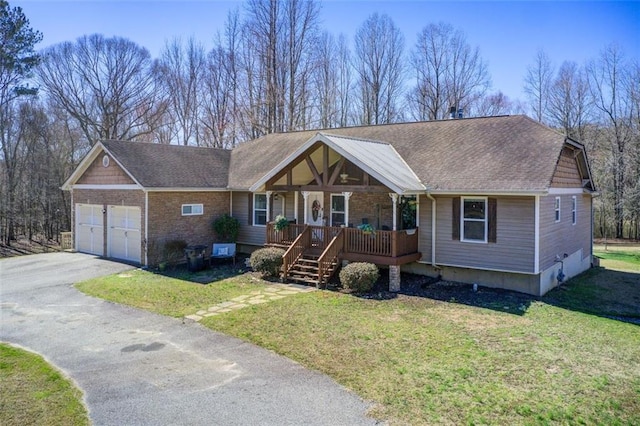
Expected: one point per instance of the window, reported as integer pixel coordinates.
(260, 209)
(192, 209)
(574, 210)
(337, 210)
(557, 209)
(474, 220)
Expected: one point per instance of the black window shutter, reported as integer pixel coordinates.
(250, 203)
(493, 219)
(455, 219)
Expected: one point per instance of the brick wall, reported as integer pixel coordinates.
(377, 207)
(167, 223)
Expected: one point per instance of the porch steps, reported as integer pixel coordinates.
(305, 270)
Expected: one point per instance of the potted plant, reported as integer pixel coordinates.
(367, 229)
(281, 223)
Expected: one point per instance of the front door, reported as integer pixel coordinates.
(315, 209)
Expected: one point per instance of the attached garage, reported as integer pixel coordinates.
(89, 229)
(124, 233)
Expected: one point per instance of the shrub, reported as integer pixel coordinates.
(226, 228)
(267, 261)
(359, 276)
(174, 251)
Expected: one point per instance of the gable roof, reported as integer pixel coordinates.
(505, 154)
(489, 154)
(157, 166)
(378, 159)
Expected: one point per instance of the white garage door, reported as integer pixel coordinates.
(89, 229)
(123, 235)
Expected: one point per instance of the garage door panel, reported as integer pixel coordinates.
(89, 229)
(124, 239)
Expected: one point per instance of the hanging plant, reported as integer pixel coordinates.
(281, 223)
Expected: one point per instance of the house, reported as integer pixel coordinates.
(499, 201)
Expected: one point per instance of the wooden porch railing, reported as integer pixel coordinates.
(298, 246)
(284, 237)
(330, 255)
(378, 243)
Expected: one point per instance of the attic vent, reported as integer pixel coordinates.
(105, 161)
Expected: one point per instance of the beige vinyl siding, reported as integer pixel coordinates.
(424, 241)
(515, 246)
(252, 235)
(558, 238)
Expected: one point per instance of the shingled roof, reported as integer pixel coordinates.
(172, 166)
(491, 154)
(506, 154)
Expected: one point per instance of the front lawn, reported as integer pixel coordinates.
(34, 393)
(558, 359)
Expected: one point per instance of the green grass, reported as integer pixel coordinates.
(34, 393)
(625, 258)
(171, 296)
(559, 360)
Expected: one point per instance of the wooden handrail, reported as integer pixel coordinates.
(299, 245)
(329, 255)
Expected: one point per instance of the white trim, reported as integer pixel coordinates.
(485, 200)
(433, 229)
(331, 211)
(479, 268)
(192, 205)
(566, 191)
(179, 189)
(489, 193)
(253, 210)
(536, 233)
(120, 187)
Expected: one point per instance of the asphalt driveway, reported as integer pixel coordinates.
(139, 368)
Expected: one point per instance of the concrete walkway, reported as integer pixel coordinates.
(273, 292)
(138, 368)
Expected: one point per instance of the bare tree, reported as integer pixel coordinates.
(569, 101)
(107, 84)
(448, 73)
(180, 70)
(378, 64)
(494, 104)
(537, 84)
(607, 77)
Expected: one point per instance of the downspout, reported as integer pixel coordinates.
(146, 227)
(433, 229)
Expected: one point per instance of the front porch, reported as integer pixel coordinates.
(314, 253)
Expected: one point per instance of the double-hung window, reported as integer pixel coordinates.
(473, 221)
(337, 210)
(192, 209)
(574, 210)
(259, 209)
(556, 208)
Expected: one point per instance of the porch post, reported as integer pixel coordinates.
(394, 278)
(347, 195)
(305, 195)
(295, 206)
(269, 206)
(394, 198)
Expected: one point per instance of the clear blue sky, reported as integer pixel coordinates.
(508, 33)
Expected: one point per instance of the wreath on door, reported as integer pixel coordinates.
(315, 209)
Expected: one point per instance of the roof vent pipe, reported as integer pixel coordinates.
(452, 112)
